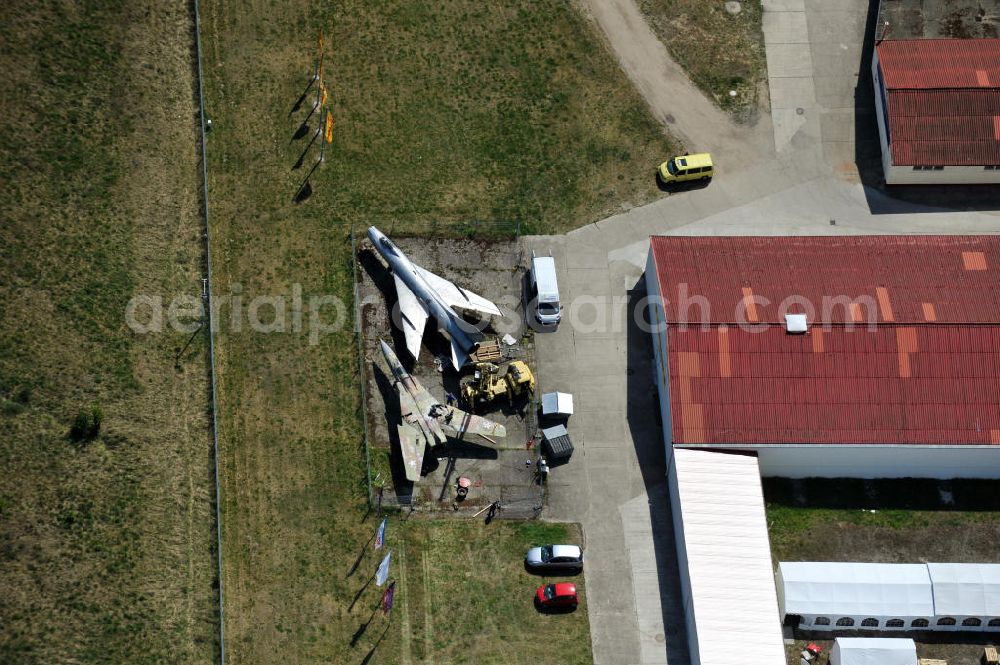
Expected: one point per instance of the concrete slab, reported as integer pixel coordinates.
(787, 27)
(785, 60)
(837, 125)
(585, 256)
(587, 281)
(834, 60)
(783, 5)
(835, 92)
(838, 27)
(790, 92)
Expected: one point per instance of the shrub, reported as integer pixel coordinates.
(86, 426)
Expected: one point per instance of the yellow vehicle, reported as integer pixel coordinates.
(687, 167)
(488, 385)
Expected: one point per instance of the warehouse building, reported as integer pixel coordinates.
(938, 107)
(864, 357)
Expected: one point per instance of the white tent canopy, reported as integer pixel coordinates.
(966, 589)
(864, 590)
(873, 651)
(727, 583)
(896, 596)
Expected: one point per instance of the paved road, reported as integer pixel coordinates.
(810, 185)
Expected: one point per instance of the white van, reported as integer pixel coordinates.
(545, 290)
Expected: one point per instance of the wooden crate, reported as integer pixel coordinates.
(990, 656)
(931, 661)
(488, 352)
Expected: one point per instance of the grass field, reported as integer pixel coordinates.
(469, 600)
(106, 542)
(719, 50)
(446, 113)
(892, 521)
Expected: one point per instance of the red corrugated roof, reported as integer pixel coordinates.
(925, 64)
(943, 98)
(927, 372)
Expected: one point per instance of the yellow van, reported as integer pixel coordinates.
(687, 167)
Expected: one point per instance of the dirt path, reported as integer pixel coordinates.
(684, 110)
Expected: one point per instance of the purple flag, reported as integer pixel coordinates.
(387, 597)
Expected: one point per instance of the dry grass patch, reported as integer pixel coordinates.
(721, 51)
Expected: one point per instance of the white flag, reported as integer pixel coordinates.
(383, 570)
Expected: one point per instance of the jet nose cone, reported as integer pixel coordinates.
(374, 235)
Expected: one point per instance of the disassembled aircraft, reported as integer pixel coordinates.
(422, 294)
(426, 422)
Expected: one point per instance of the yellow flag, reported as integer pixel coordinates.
(328, 136)
(322, 93)
(319, 46)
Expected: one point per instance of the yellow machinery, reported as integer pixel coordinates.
(489, 385)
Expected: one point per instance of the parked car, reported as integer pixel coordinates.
(561, 595)
(686, 167)
(555, 558)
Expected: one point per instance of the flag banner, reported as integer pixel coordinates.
(380, 535)
(327, 138)
(322, 93)
(383, 570)
(388, 596)
(319, 46)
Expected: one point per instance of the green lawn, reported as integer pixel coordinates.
(105, 541)
(468, 598)
(892, 521)
(720, 51)
(447, 114)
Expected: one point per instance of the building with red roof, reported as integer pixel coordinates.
(856, 356)
(938, 110)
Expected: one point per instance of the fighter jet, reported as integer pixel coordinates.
(422, 294)
(426, 421)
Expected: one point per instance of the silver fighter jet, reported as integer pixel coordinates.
(422, 294)
(427, 422)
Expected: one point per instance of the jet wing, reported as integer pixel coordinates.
(458, 421)
(414, 316)
(456, 296)
(411, 446)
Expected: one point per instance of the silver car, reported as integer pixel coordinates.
(562, 558)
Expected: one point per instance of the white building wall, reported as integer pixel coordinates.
(855, 461)
(950, 175)
(887, 461)
(881, 116)
(658, 318)
(682, 561)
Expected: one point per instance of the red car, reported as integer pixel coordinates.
(559, 595)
